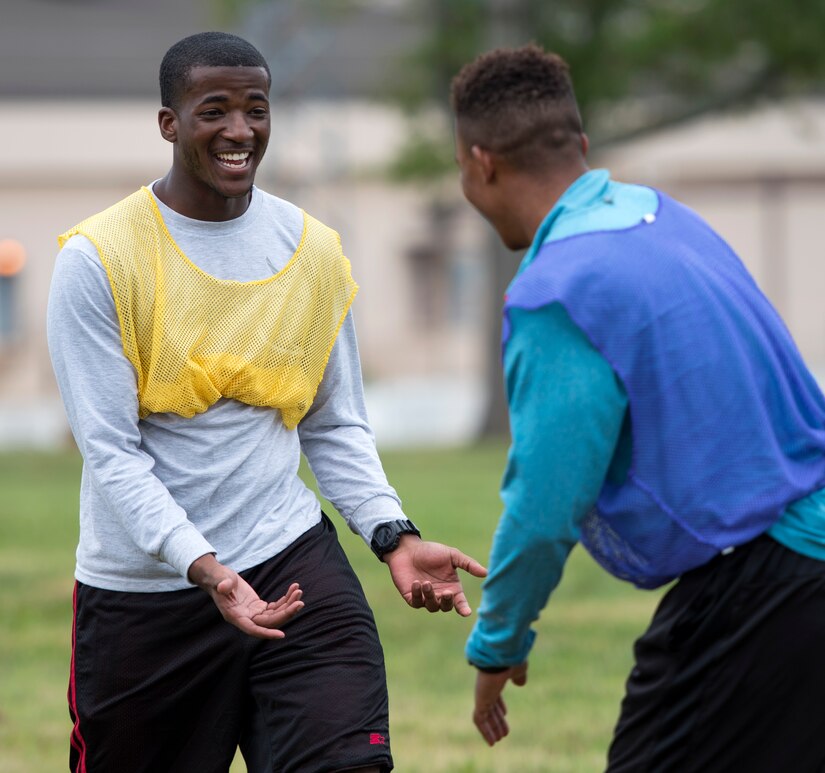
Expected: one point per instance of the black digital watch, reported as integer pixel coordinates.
(387, 535)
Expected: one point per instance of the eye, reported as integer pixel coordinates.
(212, 112)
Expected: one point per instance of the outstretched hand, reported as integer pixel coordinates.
(240, 604)
(425, 574)
(490, 712)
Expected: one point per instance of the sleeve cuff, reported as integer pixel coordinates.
(184, 546)
(374, 511)
(491, 658)
(491, 669)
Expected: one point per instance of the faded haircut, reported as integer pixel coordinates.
(518, 103)
(206, 49)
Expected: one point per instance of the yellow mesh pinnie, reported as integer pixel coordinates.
(193, 338)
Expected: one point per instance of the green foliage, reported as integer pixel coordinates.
(456, 31)
(422, 158)
(678, 58)
(229, 11)
(637, 64)
(561, 721)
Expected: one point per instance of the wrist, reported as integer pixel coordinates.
(404, 543)
(388, 536)
(202, 571)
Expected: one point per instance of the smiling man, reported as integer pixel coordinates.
(201, 336)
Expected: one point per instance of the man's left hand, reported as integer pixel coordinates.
(490, 711)
(425, 574)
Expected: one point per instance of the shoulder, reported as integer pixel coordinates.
(79, 253)
(297, 223)
(114, 224)
(79, 275)
(136, 204)
(279, 210)
(547, 333)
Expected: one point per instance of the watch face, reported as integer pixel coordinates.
(383, 534)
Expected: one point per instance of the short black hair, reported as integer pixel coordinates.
(518, 103)
(205, 49)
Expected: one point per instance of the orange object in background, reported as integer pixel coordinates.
(12, 257)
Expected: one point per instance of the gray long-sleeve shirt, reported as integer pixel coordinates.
(160, 492)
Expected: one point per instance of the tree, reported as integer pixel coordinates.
(669, 59)
(638, 66)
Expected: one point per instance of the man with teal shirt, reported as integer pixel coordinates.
(661, 415)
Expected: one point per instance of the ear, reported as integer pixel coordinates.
(486, 162)
(585, 145)
(168, 123)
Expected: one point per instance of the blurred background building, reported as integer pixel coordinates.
(360, 139)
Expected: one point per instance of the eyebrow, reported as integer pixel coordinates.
(258, 96)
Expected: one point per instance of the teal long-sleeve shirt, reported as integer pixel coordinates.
(566, 410)
(567, 419)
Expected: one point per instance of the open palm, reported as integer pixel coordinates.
(240, 605)
(426, 575)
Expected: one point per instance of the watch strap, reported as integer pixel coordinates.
(387, 535)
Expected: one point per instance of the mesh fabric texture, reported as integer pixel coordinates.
(193, 338)
(728, 424)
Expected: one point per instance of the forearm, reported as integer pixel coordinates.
(525, 567)
(566, 412)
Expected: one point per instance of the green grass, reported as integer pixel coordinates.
(560, 722)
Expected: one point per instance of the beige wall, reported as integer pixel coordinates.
(420, 304)
(95, 154)
(423, 308)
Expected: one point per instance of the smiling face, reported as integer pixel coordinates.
(220, 128)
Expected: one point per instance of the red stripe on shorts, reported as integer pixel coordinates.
(76, 738)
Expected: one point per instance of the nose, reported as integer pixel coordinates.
(237, 127)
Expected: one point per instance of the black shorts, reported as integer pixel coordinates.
(160, 682)
(730, 675)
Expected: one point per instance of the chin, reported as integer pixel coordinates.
(243, 194)
(513, 238)
(235, 192)
(514, 243)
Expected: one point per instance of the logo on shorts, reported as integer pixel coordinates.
(376, 739)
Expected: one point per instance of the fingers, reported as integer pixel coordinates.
(445, 603)
(276, 613)
(470, 565)
(226, 587)
(423, 595)
(248, 626)
(241, 606)
(462, 606)
(491, 722)
(490, 709)
(519, 675)
(293, 594)
(294, 591)
(280, 611)
(272, 618)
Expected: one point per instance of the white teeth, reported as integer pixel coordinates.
(233, 156)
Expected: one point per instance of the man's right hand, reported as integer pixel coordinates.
(238, 602)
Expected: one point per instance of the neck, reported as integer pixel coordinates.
(200, 203)
(540, 194)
